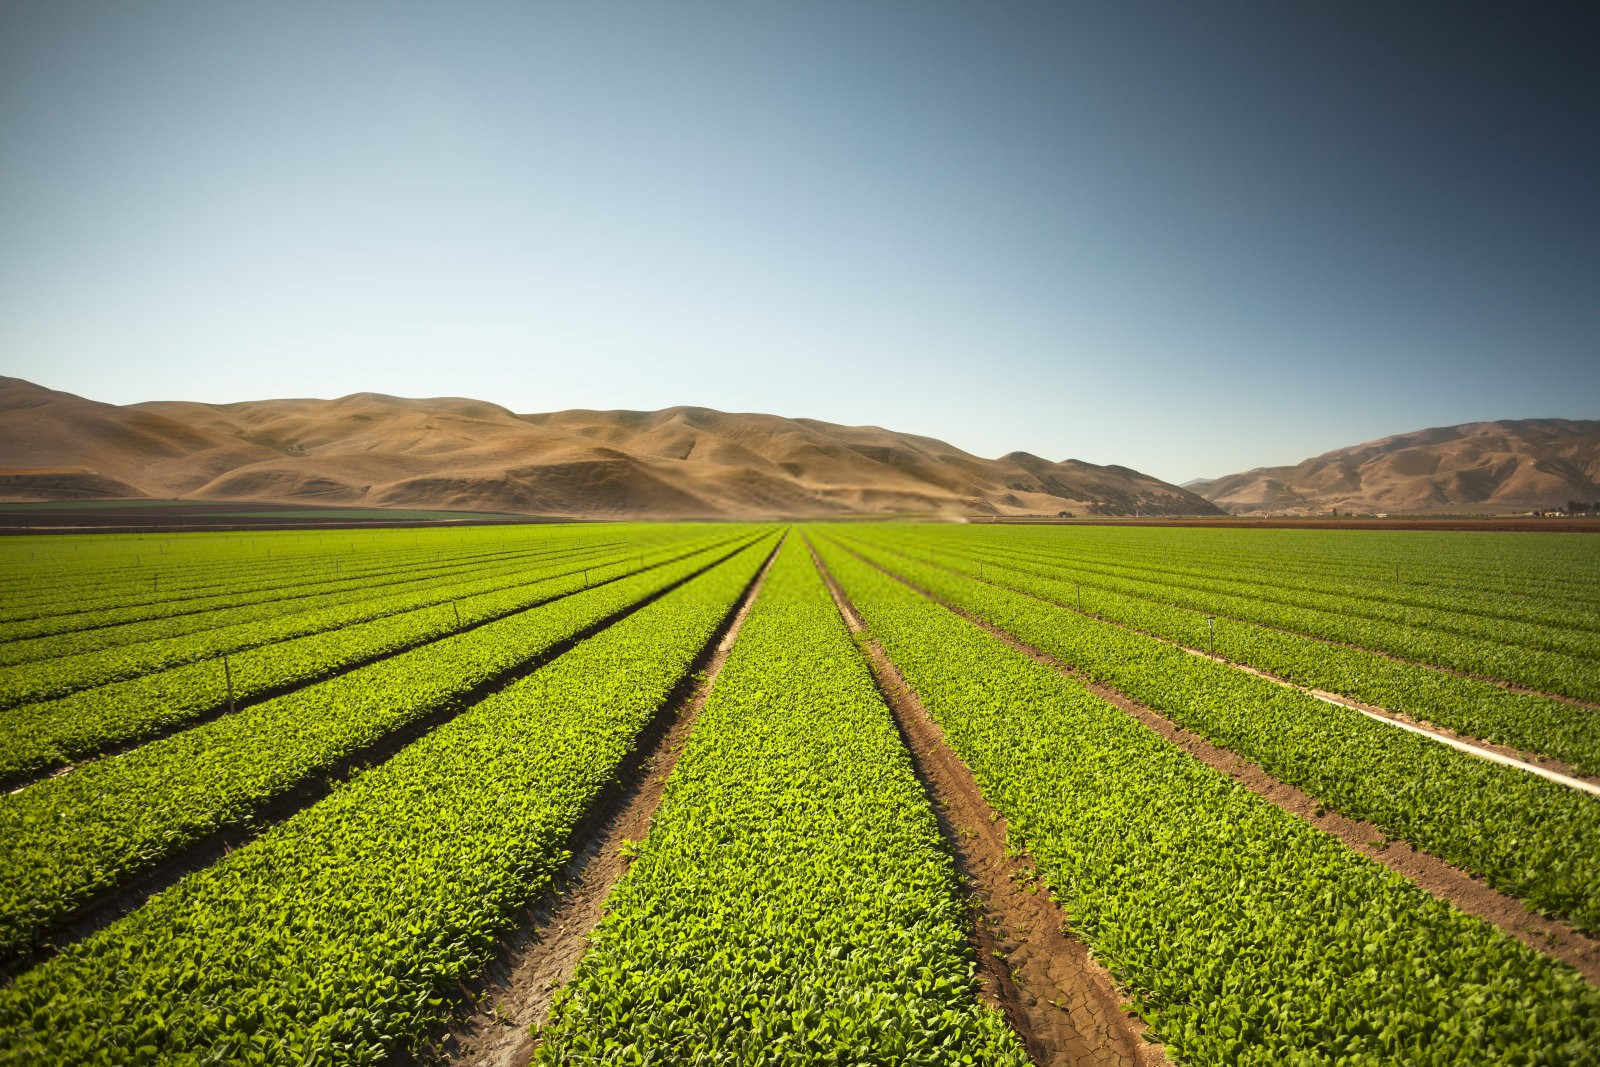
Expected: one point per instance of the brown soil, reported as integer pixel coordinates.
(1057, 997)
(544, 952)
(1432, 874)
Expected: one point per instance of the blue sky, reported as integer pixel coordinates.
(1189, 239)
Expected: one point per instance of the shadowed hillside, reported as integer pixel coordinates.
(375, 450)
(1495, 467)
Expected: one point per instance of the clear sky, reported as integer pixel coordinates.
(1190, 238)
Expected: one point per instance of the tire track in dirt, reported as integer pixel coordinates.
(1059, 999)
(1435, 876)
(542, 954)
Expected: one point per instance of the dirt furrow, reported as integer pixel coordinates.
(1430, 873)
(543, 953)
(1060, 1000)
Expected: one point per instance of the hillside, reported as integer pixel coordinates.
(373, 450)
(1491, 467)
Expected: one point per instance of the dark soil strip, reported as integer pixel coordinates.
(542, 954)
(1535, 758)
(111, 905)
(1430, 873)
(204, 715)
(1058, 998)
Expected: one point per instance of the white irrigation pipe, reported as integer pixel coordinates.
(1481, 753)
(1592, 788)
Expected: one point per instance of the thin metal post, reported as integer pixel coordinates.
(1080, 594)
(457, 609)
(227, 672)
(1211, 624)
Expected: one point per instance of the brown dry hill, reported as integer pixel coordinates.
(374, 450)
(1479, 467)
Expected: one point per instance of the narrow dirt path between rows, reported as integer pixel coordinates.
(1058, 998)
(544, 951)
(1547, 767)
(1436, 876)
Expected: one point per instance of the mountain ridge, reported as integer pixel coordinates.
(1498, 466)
(461, 453)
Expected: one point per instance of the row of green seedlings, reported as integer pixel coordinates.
(95, 600)
(1532, 838)
(1243, 934)
(1554, 572)
(51, 677)
(1576, 634)
(1567, 673)
(346, 933)
(67, 839)
(36, 738)
(1526, 721)
(48, 679)
(794, 901)
(1297, 566)
(292, 599)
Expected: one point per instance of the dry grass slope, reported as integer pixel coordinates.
(1492, 467)
(455, 453)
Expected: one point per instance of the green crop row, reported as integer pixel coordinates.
(1480, 709)
(143, 586)
(1523, 834)
(1574, 633)
(1505, 572)
(39, 737)
(295, 599)
(343, 934)
(794, 902)
(1244, 935)
(53, 678)
(1553, 672)
(65, 839)
(142, 591)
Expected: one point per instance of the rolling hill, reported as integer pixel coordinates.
(1481, 467)
(373, 450)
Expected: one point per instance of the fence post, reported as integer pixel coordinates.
(457, 609)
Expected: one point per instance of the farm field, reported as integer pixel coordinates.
(908, 793)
